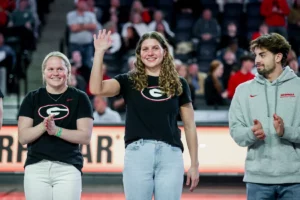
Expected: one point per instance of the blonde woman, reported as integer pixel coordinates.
(53, 121)
(154, 94)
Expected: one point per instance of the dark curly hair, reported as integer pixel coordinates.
(169, 81)
(274, 43)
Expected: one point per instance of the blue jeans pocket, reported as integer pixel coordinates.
(134, 146)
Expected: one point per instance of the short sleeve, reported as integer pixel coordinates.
(185, 97)
(27, 108)
(85, 108)
(93, 18)
(71, 19)
(123, 81)
(1, 95)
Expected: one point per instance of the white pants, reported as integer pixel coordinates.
(51, 180)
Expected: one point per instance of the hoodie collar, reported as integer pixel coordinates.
(286, 75)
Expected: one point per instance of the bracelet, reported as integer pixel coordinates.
(58, 133)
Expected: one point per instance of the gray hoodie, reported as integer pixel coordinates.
(274, 160)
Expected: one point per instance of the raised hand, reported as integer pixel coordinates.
(103, 41)
(257, 130)
(278, 125)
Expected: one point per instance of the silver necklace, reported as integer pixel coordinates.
(57, 98)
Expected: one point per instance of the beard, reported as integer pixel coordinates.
(265, 71)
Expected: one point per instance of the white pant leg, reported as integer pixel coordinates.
(67, 181)
(37, 183)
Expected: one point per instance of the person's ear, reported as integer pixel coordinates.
(278, 57)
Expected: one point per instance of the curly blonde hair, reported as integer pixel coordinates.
(169, 81)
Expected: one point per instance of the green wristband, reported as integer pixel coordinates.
(58, 134)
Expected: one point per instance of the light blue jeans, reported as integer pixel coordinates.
(51, 180)
(153, 167)
(273, 192)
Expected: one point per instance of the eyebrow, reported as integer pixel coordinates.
(150, 46)
(262, 53)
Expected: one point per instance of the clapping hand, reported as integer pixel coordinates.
(50, 126)
(278, 125)
(257, 130)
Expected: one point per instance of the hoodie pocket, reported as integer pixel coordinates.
(286, 160)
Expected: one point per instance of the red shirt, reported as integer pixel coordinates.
(255, 35)
(274, 18)
(237, 79)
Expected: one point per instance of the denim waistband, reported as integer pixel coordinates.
(143, 141)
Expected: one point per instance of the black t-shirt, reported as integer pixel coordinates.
(151, 114)
(1, 95)
(73, 104)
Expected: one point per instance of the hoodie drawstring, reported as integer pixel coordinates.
(266, 94)
(276, 93)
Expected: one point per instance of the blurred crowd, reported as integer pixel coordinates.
(209, 40)
(21, 23)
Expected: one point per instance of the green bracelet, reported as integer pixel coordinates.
(58, 134)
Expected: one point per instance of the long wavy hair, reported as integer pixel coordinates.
(213, 67)
(169, 81)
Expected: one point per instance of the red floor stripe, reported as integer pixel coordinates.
(114, 196)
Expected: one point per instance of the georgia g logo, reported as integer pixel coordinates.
(153, 93)
(59, 111)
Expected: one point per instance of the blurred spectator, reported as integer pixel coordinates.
(115, 37)
(105, 77)
(129, 65)
(294, 65)
(6, 6)
(102, 113)
(182, 70)
(243, 75)
(196, 78)
(137, 23)
(294, 26)
(214, 92)
(115, 12)
(137, 7)
(207, 29)
(171, 40)
(294, 16)
(234, 47)
(232, 33)
(263, 30)
(159, 19)
(77, 80)
(130, 41)
(7, 55)
(81, 69)
(22, 17)
(230, 66)
(82, 25)
(96, 10)
(275, 13)
(7, 58)
(32, 7)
